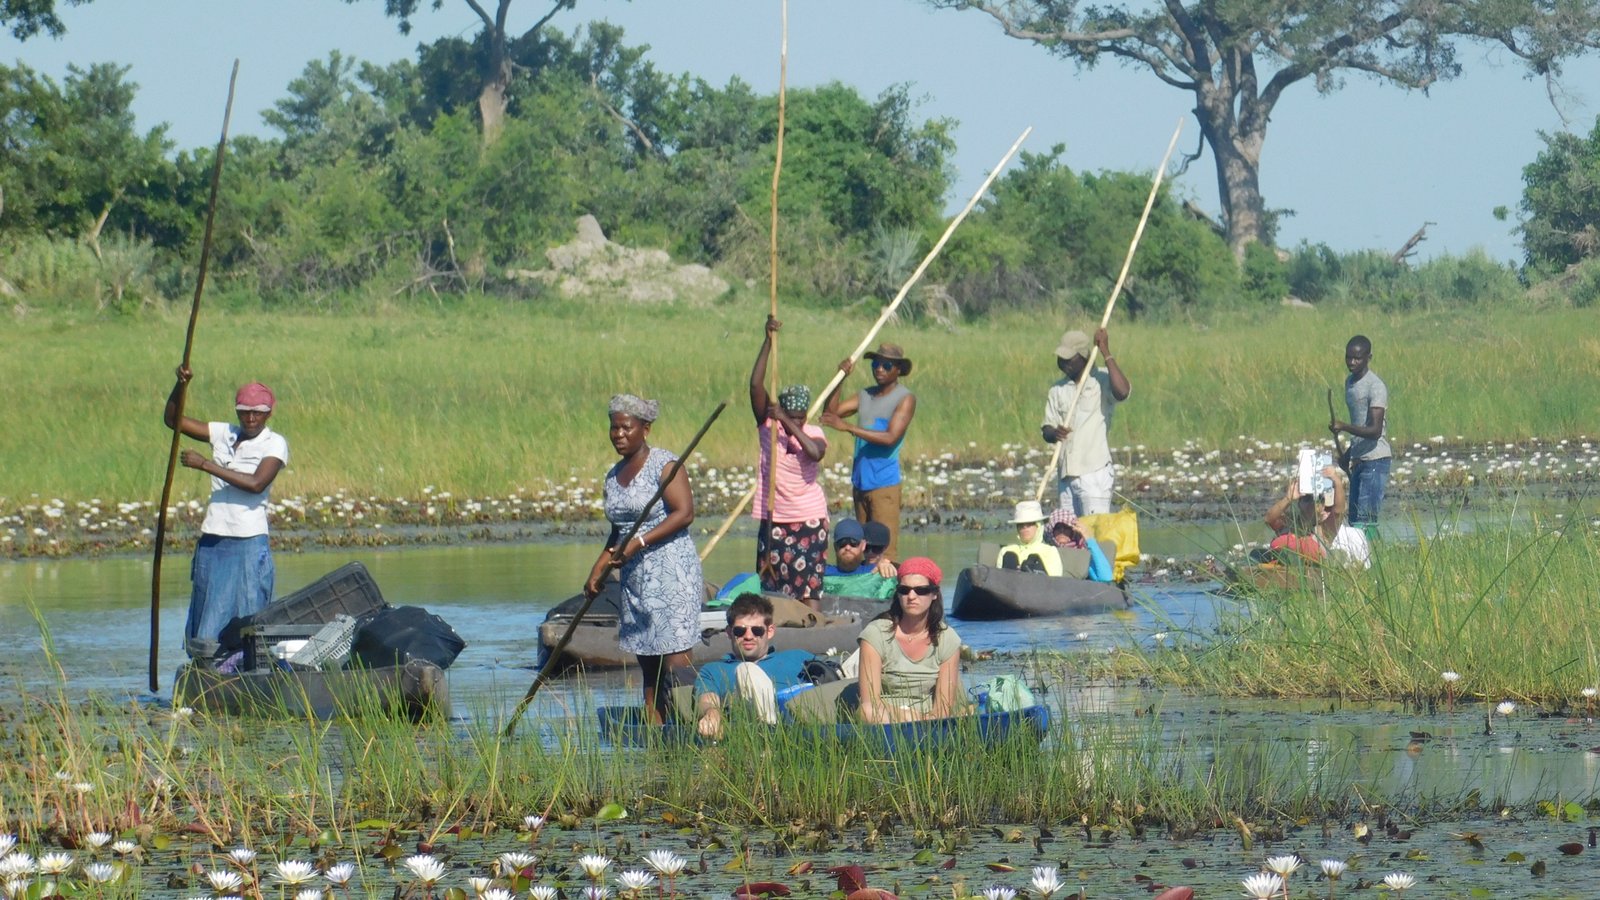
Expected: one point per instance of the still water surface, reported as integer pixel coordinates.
(96, 615)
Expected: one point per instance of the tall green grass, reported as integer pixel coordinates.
(480, 397)
(1513, 609)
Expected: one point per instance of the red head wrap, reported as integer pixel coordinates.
(921, 565)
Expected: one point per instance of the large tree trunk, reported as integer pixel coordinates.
(492, 102)
(1236, 148)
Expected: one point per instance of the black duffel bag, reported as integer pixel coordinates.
(397, 635)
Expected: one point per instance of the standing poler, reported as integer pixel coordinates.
(1087, 475)
(232, 572)
(885, 412)
(1369, 455)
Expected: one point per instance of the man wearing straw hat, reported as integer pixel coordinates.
(1087, 475)
(885, 412)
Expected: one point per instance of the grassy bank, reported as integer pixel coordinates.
(482, 398)
(1512, 611)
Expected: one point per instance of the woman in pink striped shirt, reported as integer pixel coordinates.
(792, 535)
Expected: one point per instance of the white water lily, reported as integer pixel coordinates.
(635, 880)
(1505, 708)
(100, 873)
(1589, 693)
(543, 892)
(1262, 885)
(515, 861)
(1283, 865)
(1450, 677)
(1400, 881)
(223, 881)
(999, 892)
(244, 856)
(16, 888)
(82, 787)
(1333, 868)
(97, 839)
(498, 893)
(427, 869)
(1046, 880)
(594, 865)
(124, 848)
(15, 864)
(294, 871)
(533, 823)
(479, 884)
(596, 892)
(314, 893)
(665, 862)
(8, 842)
(339, 874)
(55, 863)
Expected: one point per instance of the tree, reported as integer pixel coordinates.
(1238, 57)
(1561, 202)
(27, 18)
(494, 50)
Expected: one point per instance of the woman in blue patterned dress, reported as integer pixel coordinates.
(662, 585)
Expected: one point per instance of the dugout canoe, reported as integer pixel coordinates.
(626, 726)
(594, 641)
(413, 691)
(987, 593)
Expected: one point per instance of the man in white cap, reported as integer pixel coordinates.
(1031, 552)
(1085, 469)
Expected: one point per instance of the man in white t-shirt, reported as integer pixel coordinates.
(1087, 476)
(233, 571)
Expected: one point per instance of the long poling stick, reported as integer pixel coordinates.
(183, 389)
(566, 638)
(1111, 304)
(838, 376)
(777, 171)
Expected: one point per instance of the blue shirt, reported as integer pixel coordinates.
(782, 666)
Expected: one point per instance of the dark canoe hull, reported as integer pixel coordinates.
(987, 593)
(626, 726)
(594, 641)
(415, 690)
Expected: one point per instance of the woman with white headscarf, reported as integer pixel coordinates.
(662, 584)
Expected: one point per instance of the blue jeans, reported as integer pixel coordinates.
(233, 576)
(1369, 479)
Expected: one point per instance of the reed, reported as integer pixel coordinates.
(484, 398)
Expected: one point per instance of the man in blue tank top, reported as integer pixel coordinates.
(883, 413)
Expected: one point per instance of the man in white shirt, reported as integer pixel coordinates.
(233, 572)
(1087, 476)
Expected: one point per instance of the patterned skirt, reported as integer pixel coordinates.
(790, 556)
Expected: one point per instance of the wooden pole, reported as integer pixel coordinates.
(777, 171)
(183, 389)
(1111, 304)
(566, 637)
(822, 398)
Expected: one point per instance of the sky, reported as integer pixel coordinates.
(1362, 167)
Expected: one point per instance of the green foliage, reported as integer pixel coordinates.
(1264, 277)
(1318, 274)
(1561, 202)
(27, 18)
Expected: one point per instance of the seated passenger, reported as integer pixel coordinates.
(752, 670)
(877, 543)
(910, 663)
(1066, 532)
(1346, 544)
(850, 576)
(1293, 519)
(1030, 553)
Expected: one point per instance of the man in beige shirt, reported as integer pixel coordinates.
(1087, 475)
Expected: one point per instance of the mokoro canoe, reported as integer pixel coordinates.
(1273, 578)
(415, 690)
(626, 726)
(986, 593)
(594, 641)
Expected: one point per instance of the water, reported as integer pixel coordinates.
(96, 615)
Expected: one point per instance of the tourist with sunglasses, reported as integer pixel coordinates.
(883, 413)
(910, 660)
(852, 575)
(752, 670)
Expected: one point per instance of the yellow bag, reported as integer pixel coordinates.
(1120, 527)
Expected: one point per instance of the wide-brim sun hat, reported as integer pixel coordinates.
(1028, 512)
(892, 353)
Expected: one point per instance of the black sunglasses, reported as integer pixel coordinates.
(848, 542)
(755, 630)
(921, 590)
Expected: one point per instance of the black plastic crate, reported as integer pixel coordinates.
(348, 590)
